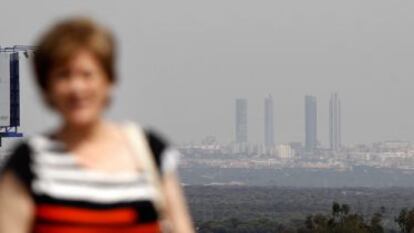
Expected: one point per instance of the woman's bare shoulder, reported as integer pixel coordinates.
(17, 162)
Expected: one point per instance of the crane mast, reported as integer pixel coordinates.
(11, 130)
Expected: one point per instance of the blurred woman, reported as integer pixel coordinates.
(89, 174)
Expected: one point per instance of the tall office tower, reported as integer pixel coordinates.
(241, 121)
(269, 139)
(310, 123)
(335, 122)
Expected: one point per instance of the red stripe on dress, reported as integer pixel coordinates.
(83, 215)
(142, 228)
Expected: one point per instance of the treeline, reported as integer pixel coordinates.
(234, 225)
(341, 219)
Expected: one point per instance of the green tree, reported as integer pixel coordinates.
(405, 221)
(342, 220)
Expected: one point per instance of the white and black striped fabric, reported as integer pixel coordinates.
(70, 198)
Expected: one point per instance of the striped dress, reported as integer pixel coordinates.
(70, 198)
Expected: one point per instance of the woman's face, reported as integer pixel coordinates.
(79, 90)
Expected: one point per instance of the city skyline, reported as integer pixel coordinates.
(310, 141)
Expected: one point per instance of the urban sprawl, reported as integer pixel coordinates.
(309, 155)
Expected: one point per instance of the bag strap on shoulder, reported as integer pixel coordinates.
(141, 149)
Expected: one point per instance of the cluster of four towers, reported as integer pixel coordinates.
(311, 136)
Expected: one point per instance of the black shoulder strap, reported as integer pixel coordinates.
(157, 144)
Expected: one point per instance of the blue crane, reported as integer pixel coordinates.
(11, 130)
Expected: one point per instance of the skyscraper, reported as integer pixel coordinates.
(310, 123)
(269, 140)
(241, 121)
(335, 122)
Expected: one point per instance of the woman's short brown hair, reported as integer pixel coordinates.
(65, 39)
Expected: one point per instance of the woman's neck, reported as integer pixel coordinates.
(74, 134)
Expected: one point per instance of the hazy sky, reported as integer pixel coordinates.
(183, 63)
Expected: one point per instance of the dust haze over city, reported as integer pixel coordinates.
(183, 65)
(294, 104)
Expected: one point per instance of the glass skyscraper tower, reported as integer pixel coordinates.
(241, 121)
(269, 139)
(310, 123)
(335, 122)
